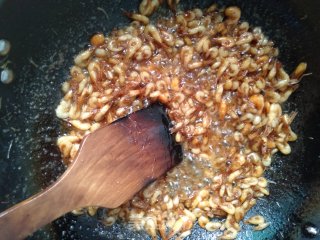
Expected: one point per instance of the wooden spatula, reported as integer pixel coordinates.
(113, 163)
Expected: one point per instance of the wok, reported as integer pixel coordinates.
(45, 35)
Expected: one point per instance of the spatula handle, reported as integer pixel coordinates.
(24, 218)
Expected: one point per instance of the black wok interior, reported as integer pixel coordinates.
(45, 35)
